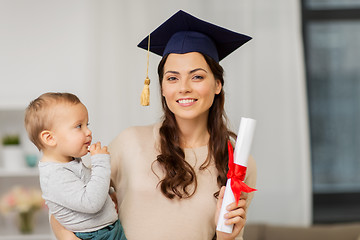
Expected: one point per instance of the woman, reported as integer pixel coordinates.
(168, 176)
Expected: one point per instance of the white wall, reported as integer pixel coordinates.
(47, 46)
(89, 47)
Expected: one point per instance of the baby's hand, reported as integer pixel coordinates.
(97, 149)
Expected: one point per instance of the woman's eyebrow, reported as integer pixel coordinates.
(173, 72)
(192, 71)
(197, 69)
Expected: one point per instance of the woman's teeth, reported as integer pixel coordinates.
(186, 100)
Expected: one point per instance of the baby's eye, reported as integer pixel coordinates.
(87, 124)
(78, 126)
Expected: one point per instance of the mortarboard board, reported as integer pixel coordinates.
(183, 33)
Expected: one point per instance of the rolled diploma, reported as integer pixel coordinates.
(241, 156)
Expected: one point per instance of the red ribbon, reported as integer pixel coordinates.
(237, 175)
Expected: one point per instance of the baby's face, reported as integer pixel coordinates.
(71, 132)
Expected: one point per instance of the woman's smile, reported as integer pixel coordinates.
(185, 102)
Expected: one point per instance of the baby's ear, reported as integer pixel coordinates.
(47, 138)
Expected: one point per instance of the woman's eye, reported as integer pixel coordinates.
(198, 77)
(171, 78)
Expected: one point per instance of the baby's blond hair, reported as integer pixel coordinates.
(39, 117)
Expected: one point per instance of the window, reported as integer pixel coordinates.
(331, 4)
(332, 51)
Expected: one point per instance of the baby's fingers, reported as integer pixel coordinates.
(92, 147)
(97, 149)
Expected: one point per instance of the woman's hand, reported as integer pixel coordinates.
(60, 232)
(114, 199)
(113, 195)
(236, 216)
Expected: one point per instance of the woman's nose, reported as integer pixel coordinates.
(185, 86)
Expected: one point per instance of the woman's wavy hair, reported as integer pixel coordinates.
(180, 177)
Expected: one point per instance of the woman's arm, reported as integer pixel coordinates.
(236, 216)
(60, 232)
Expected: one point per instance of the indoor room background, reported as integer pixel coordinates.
(88, 47)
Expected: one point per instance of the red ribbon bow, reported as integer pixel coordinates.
(237, 175)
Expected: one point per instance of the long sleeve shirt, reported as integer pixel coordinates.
(78, 196)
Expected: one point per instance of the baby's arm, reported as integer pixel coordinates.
(74, 194)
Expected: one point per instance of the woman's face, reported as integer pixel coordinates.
(189, 86)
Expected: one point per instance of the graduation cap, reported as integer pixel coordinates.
(183, 33)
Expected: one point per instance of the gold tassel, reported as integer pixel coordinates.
(145, 95)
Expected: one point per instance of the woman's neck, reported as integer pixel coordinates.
(193, 133)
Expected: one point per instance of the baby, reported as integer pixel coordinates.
(77, 196)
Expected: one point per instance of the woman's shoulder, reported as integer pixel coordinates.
(136, 134)
(136, 131)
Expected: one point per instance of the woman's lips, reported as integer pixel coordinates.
(186, 101)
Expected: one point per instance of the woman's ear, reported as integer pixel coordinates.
(162, 91)
(47, 138)
(218, 86)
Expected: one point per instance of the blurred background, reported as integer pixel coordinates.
(299, 77)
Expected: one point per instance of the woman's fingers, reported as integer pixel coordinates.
(218, 204)
(236, 211)
(235, 216)
(240, 204)
(221, 197)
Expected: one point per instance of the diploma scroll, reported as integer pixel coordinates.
(237, 170)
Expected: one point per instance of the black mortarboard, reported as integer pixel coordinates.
(183, 33)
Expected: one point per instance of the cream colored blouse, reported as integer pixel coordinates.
(144, 211)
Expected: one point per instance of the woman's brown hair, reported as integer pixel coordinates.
(180, 177)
